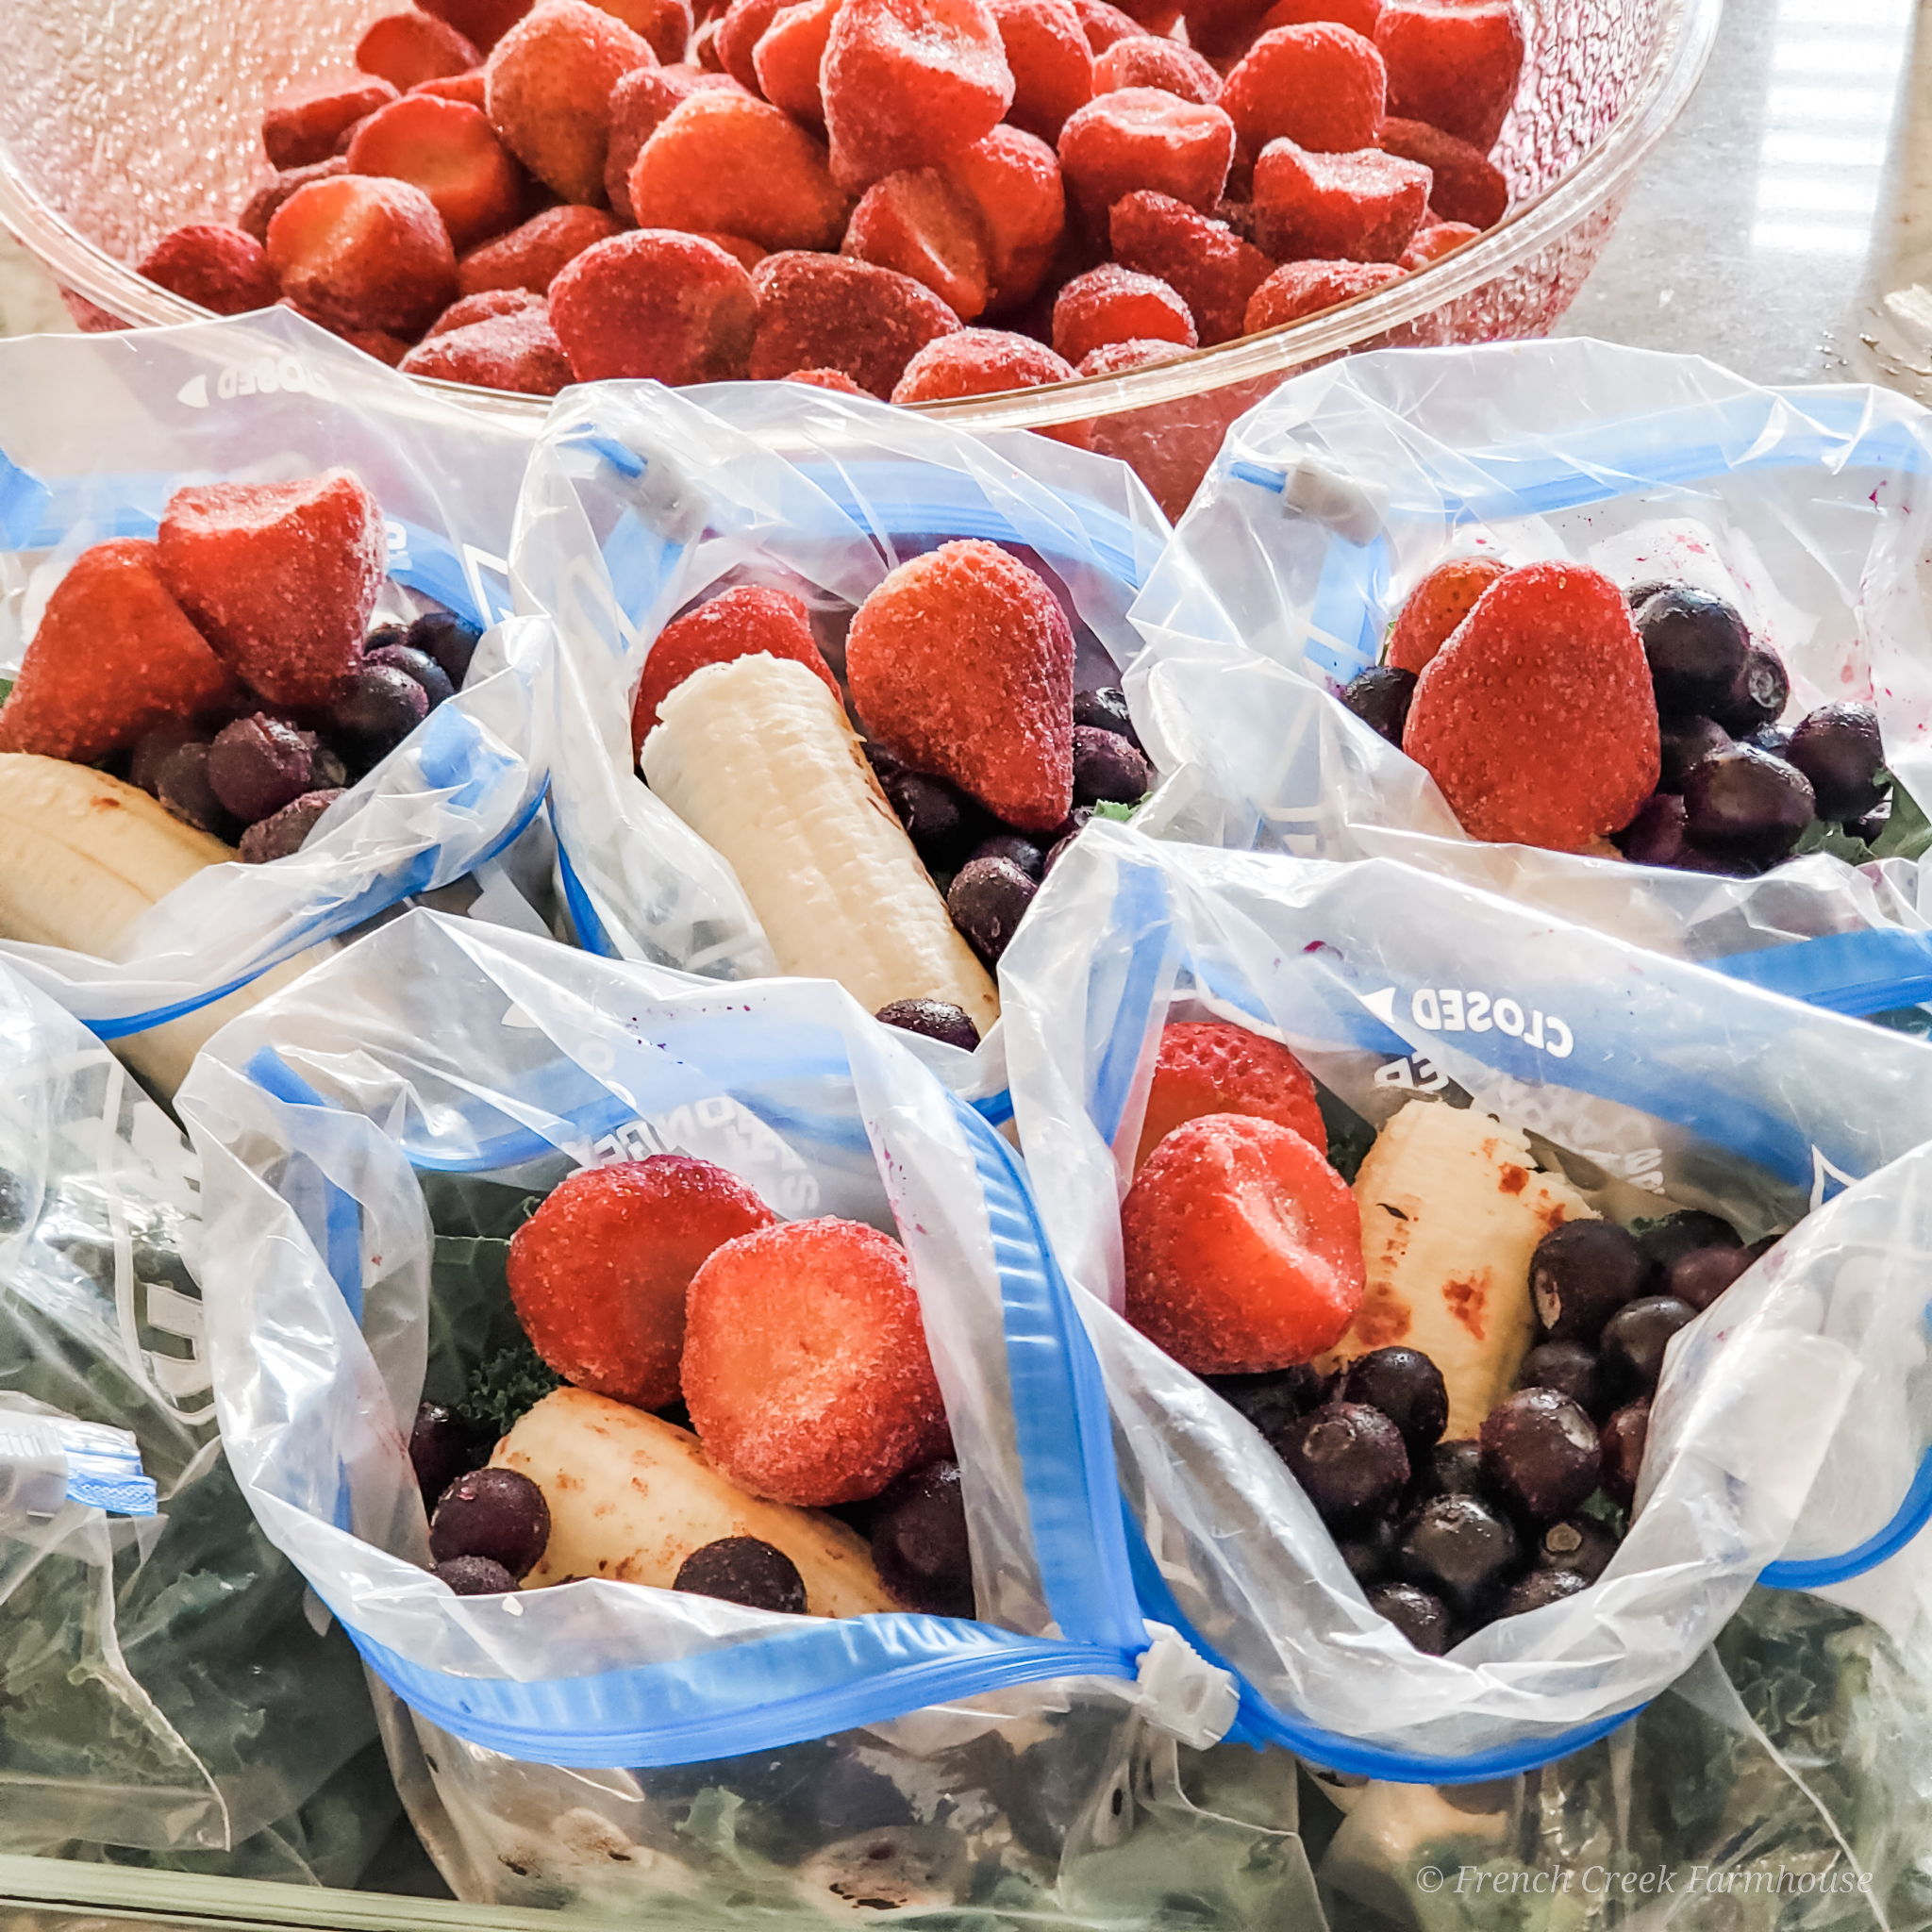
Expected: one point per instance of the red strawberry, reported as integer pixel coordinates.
(739, 624)
(806, 1366)
(302, 121)
(407, 49)
(599, 1274)
(1465, 185)
(448, 151)
(532, 256)
(222, 268)
(1437, 606)
(1209, 1066)
(1537, 718)
(482, 23)
(470, 88)
(364, 254)
(280, 578)
(1243, 1247)
(115, 655)
(961, 664)
(1453, 63)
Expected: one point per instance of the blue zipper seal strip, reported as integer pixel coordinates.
(1850, 973)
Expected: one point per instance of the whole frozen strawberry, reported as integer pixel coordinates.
(961, 664)
(1537, 717)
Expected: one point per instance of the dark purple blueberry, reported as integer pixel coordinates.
(1406, 1387)
(444, 1447)
(935, 1018)
(1274, 1400)
(1677, 1235)
(435, 680)
(492, 1512)
(1875, 823)
(1370, 1551)
(1075, 825)
(384, 637)
(1636, 1336)
(1458, 1548)
(1106, 710)
(1638, 595)
(1581, 1273)
(257, 765)
(379, 707)
(1010, 846)
(1106, 765)
(882, 761)
(1747, 802)
(920, 1544)
(448, 639)
(1379, 696)
(476, 1577)
(1696, 646)
(1541, 1451)
(988, 899)
(1655, 835)
(1577, 1545)
(155, 747)
(1569, 1369)
(288, 830)
(1684, 745)
(1757, 697)
(1776, 738)
(1624, 1438)
(939, 818)
(1455, 1468)
(1421, 1618)
(1348, 1458)
(1721, 865)
(743, 1570)
(184, 789)
(1699, 1277)
(1837, 749)
(1539, 1589)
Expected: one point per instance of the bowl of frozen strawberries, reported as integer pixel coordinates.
(1123, 223)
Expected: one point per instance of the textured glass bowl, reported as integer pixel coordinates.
(121, 118)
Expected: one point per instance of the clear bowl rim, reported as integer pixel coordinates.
(1687, 32)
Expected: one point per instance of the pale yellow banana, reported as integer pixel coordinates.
(756, 757)
(631, 1497)
(1453, 1206)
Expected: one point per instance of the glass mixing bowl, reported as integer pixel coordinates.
(121, 118)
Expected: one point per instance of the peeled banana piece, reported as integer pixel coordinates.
(1453, 1206)
(631, 1497)
(757, 757)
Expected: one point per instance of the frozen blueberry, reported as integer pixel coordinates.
(1106, 710)
(1021, 852)
(743, 1570)
(257, 765)
(988, 899)
(1837, 749)
(1624, 1440)
(1684, 745)
(1637, 1335)
(939, 819)
(1455, 1468)
(1874, 823)
(476, 1577)
(444, 1447)
(935, 1018)
(492, 1512)
(378, 706)
(1539, 1587)
(183, 787)
(1541, 1450)
(1406, 1387)
(435, 680)
(1421, 1618)
(1577, 1544)
(1108, 766)
(447, 637)
(1569, 1369)
(1581, 1273)
(1370, 1550)
(1757, 697)
(1274, 1400)
(1699, 1277)
(1776, 738)
(1747, 802)
(1379, 696)
(1076, 824)
(1349, 1459)
(155, 747)
(384, 636)
(1696, 644)
(1458, 1548)
(288, 830)
(1677, 1235)
(1655, 835)
(920, 1541)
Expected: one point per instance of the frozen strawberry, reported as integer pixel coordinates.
(909, 83)
(1243, 1247)
(482, 23)
(704, 48)
(532, 256)
(222, 268)
(450, 152)
(835, 379)
(1452, 64)
(1320, 86)
(1052, 64)
(1111, 304)
(279, 577)
(739, 31)
(641, 103)
(1212, 270)
(386, 348)
(1301, 288)
(1144, 61)
(547, 89)
(1154, 17)
(1139, 137)
(1465, 185)
(1359, 16)
(805, 1367)
(517, 352)
(739, 623)
(1014, 181)
(664, 25)
(482, 307)
(984, 362)
(112, 656)
(1223, 31)
(787, 58)
(961, 664)
(1433, 242)
(364, 254)
(1537, 718)
(1106, 27)
(471, 88)
(407, 49)
(1209, 1066)
(302, 121)
(827, 311)
(1436, 606)
(263, 204)
(598, 1275)
(925, 227)
(728, 161)
(1337, 207)
(658, 304)
(745, 253)
(1169, 446)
